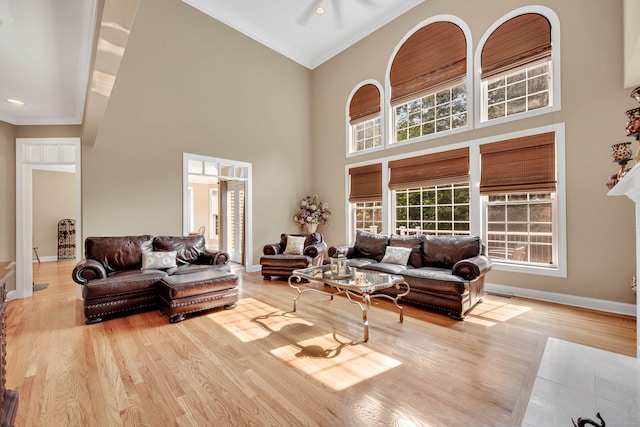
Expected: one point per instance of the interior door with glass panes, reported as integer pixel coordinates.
(235, 204)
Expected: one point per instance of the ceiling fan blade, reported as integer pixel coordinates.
(368, 2)
(309, 12)
(336, 6)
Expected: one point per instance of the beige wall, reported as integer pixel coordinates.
(188, 83)
(53, 200)
(600, 228)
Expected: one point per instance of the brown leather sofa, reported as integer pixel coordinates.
(116, 282)
(445, 273)
(275, 262)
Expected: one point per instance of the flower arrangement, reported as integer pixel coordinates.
(312, 211)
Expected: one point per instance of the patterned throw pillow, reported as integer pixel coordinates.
(295, 245)
(396, 255)
(158, 260)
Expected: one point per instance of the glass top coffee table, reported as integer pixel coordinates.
(359, 286)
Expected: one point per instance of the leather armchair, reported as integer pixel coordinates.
(275, 262)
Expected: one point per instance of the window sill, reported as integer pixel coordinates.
(554, 271)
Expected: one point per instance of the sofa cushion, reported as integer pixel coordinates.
(445, 251)
(123, 283)
(295, 245)
(433, 279)
(386, 267)
(158, 260)
(188, 248)
(360, 262)
(396, 255)
(118, 253)
(369, 245)
(414, 242)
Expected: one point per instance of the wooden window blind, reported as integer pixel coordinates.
(431, 169)
(519, 165)
(366, 183)
(519, 41)
(433, 55)
(365, 103)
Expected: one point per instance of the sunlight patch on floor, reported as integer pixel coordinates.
(334, 361)
(241, 321)
(490, 312)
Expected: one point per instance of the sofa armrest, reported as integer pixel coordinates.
(271, 249)
(470, 268)
(214, 257)
(316, 249)
(88, 269)
(346, 250)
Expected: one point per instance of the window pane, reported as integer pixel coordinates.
(432, 209)
(517, 90)
(526, 90)
(519, 227)
(517, 213)
(538, 101)
(517, 106)
(438, 112)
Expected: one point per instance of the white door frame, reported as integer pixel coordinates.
(247, 197)
(30, 152)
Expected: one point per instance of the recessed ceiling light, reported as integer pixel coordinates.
(15, 102)
(320, 11)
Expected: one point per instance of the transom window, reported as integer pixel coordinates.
(366, 135)
(438, 209)
(517, 92)
(519, 228)
(437, 112)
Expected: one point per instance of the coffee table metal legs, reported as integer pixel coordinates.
(364, 304)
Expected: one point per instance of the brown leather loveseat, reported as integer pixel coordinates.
(445, 273)
(124, 274)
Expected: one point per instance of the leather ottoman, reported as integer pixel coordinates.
(181, 294)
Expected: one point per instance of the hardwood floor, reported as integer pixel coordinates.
(259, 364)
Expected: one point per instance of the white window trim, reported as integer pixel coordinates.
(560, 219)
(383, 121)
(555, 67)
(389, 137)
(476, 209)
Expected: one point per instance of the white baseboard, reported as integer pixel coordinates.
(572, 300)
(45, 259)
(253, 268)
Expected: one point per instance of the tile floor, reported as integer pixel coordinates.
(578, 381)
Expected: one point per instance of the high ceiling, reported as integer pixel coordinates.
(45, 51)
(45, 45)
(292, 28)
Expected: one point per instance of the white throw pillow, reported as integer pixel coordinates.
(295, 245)
(159, 260)
(396, 255)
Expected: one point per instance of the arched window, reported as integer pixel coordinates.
(428, 85)
(516, 67)
(364, 118)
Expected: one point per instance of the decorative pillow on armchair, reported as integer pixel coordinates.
(295, 245)
(159, 260)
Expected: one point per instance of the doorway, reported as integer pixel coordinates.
(216, 196)
(34, 153)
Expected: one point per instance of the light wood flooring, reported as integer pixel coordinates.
(262, 365)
